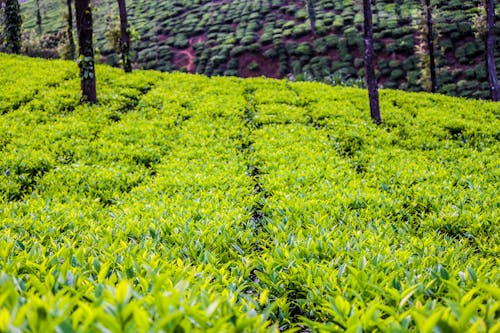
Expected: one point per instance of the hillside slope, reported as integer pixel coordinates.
(187, 203)
(273, 38)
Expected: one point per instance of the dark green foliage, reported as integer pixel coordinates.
(275, 29)
(271, 53)
(394, 64)
(396, 74)
(303, 49)
(410, 63)
(179, 41)
(253, 66)
(444, 78)
(446, 44)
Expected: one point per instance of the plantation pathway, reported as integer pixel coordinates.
(186, 58)
(190, 59)
(257, 218)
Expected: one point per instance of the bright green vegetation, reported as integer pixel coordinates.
(273, 38)
(185, 203)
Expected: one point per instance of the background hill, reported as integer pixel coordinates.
(273, 38)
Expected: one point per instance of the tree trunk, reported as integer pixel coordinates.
(490, 51)
(38, 17)
(124, 37)
(430, 45)
(13, 26)
(371, 80)
(87, 69)
(69, 31)
(312, 15)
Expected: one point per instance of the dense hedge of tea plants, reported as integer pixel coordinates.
(274, 38)
(187, 203)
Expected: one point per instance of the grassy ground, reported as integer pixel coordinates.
(187, 203)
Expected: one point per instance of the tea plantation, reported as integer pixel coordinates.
(274, 38)
(183, 203)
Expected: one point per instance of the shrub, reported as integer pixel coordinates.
(253, 66)
(238, 50)
(301, 30)
(394, 63)
(109, 211)
(303, 49)
(320, 45)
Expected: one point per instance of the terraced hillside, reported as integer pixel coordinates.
(188, 203)
(273, 38)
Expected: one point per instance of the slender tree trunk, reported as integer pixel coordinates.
(69, 31)
(371, 80)
(312, 15)
(87, 69)
(490, 51)
(13, 25)
(430, 45)
(38, 17)
(124, 37)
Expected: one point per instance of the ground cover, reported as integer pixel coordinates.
(188, 203)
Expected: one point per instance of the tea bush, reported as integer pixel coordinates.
(187, 203)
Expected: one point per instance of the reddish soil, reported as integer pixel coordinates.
(303, 39)
(333, 55)
(267, 67)
(287, 17)
(186, 58)
(387, 41)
